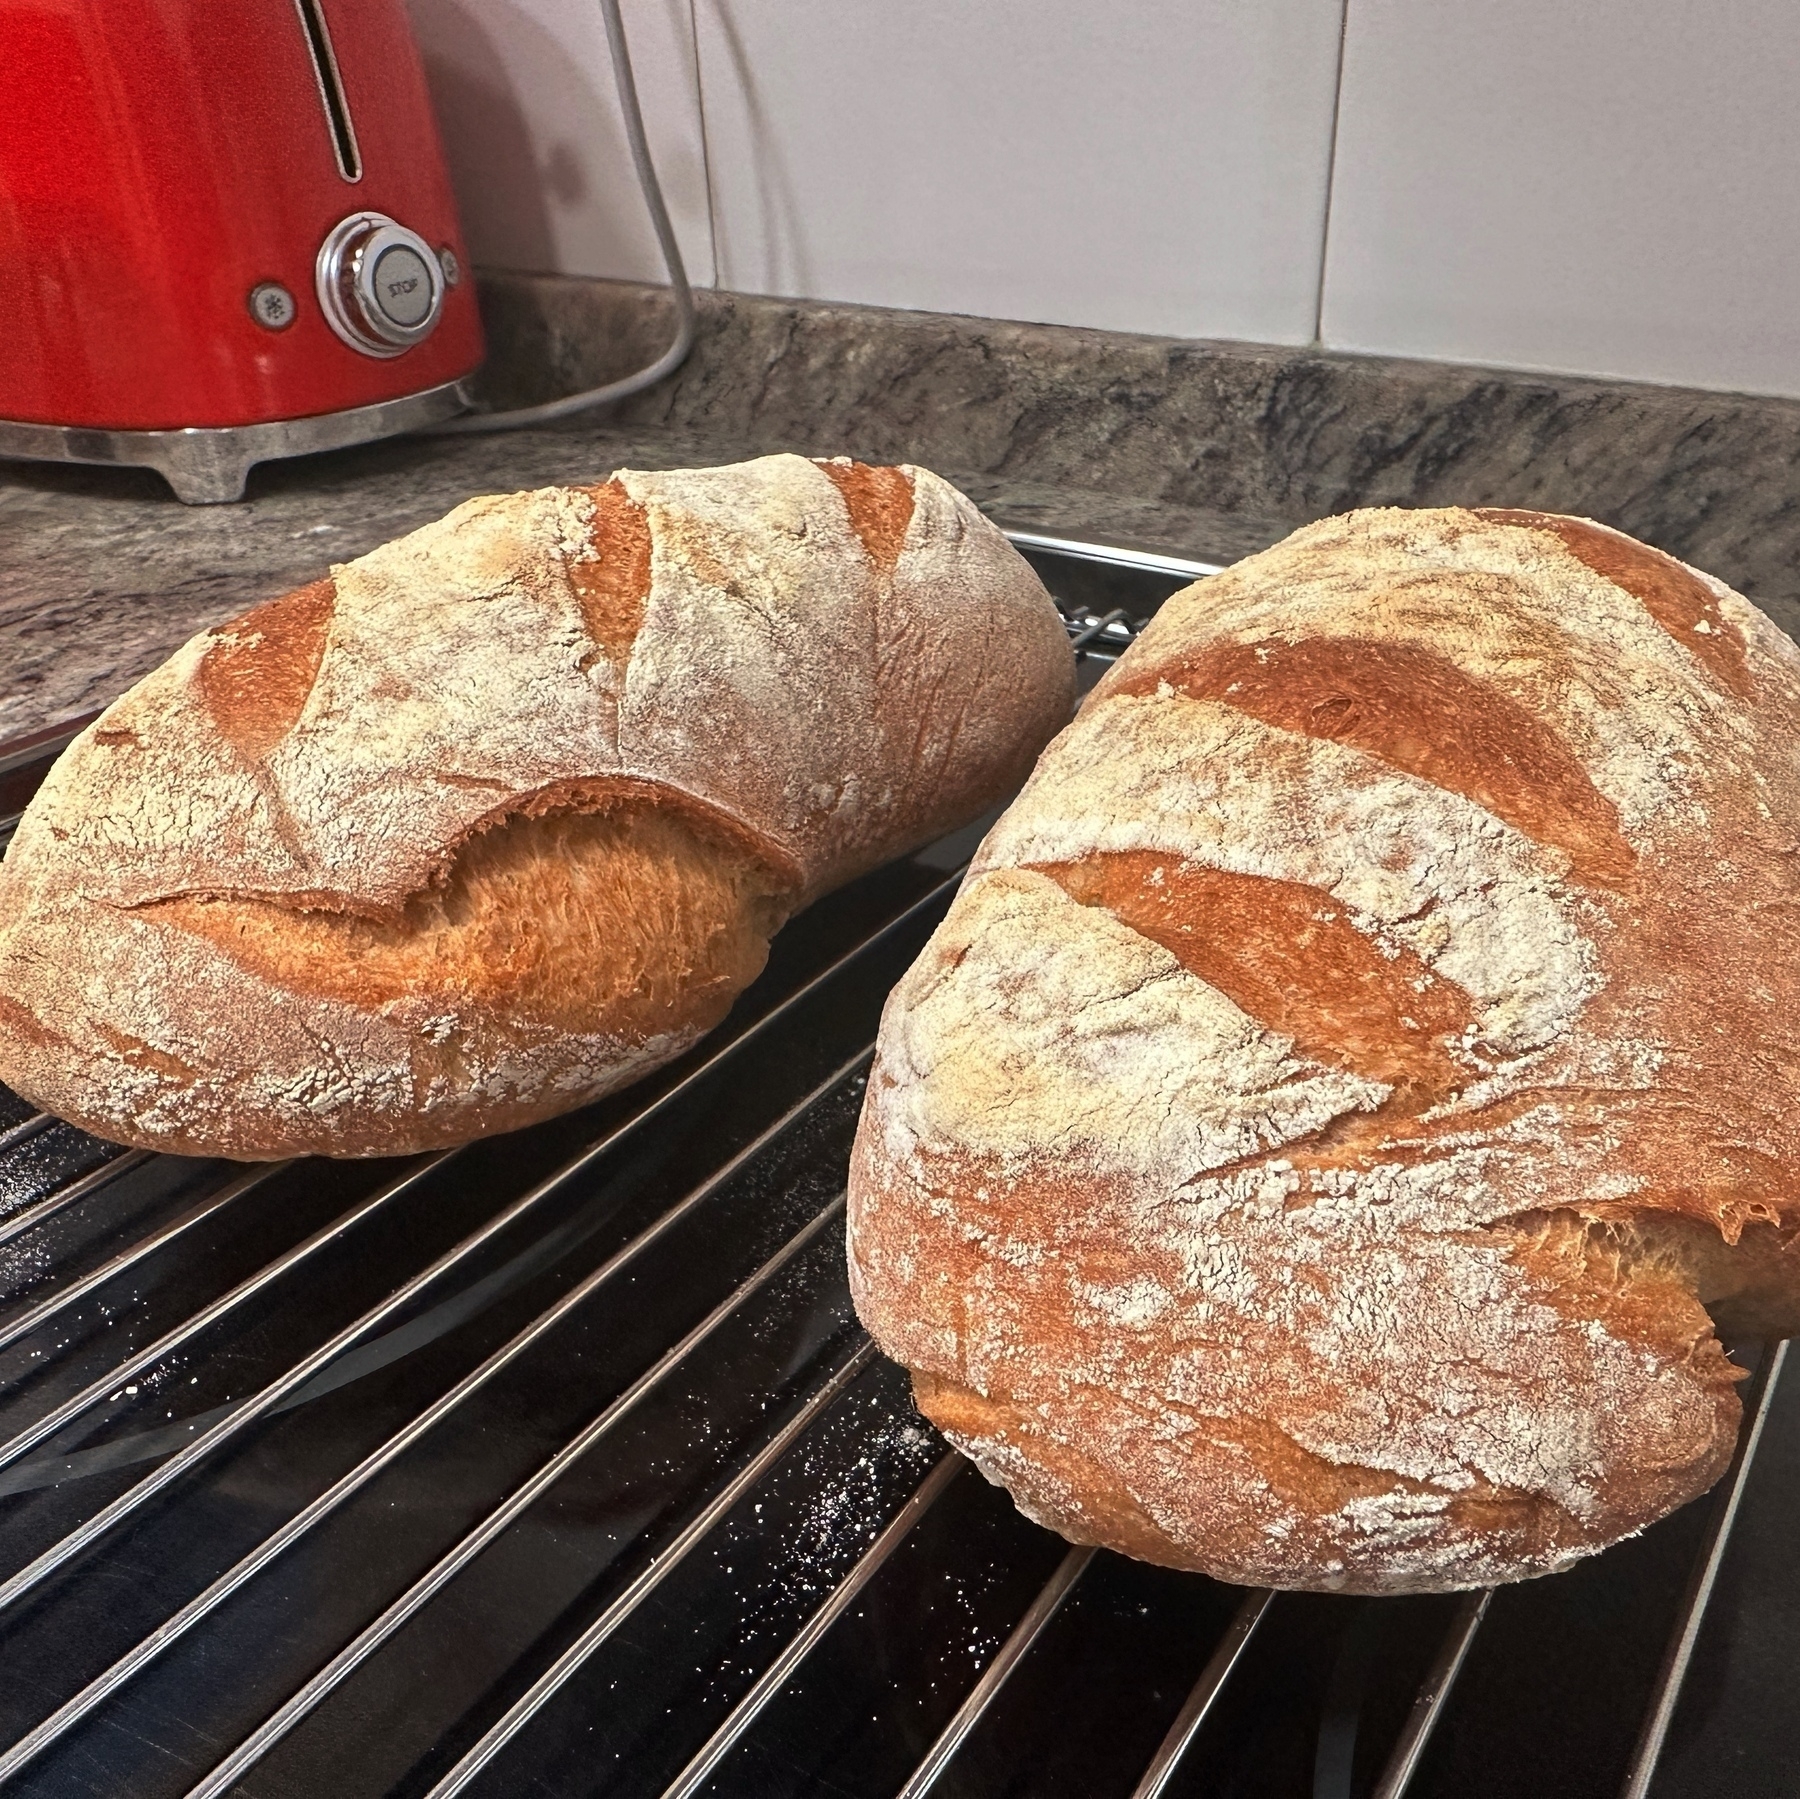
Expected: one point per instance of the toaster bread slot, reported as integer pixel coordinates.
(331, 88)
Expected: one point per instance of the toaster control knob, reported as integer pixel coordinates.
(380, 286)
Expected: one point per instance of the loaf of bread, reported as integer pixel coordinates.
(502, 815)
(1359, 1062)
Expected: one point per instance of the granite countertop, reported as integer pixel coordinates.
(1212, 450)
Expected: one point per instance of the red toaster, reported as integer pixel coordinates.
(226, 234)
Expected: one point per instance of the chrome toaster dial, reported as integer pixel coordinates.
(380, 286)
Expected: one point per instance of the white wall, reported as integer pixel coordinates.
(1605, 186)
(1595, 186)
(530, 120)
(1154, 166)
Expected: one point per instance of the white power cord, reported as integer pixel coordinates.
(673, 357)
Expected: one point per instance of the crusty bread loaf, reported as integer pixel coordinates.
(1358, 1062)
(502, 815)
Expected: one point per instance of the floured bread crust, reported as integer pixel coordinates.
(1360, 1067)
(502, 815)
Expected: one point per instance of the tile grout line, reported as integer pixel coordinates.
(706, 172)
(1331, 162)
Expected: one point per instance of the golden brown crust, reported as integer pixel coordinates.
(1291, 959)
(502, 815)
(258, 670)
(1356, 1063)
(1416, 709)
(630, 914)
(1672, 593)
(613, 583)
(880, 504)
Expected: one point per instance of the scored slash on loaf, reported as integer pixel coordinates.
(502, 815)
(1358, 1063)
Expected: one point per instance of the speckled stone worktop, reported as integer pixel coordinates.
(1201, 448)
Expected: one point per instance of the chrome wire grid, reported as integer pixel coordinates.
(559, 1464)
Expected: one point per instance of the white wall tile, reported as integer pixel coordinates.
(1154, 166)
(525, 99)
(1598, 186)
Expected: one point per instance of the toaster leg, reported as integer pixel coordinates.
(206, 465)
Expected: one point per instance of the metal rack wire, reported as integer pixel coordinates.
(454, 1298)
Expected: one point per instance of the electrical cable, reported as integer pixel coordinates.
(672, 358)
